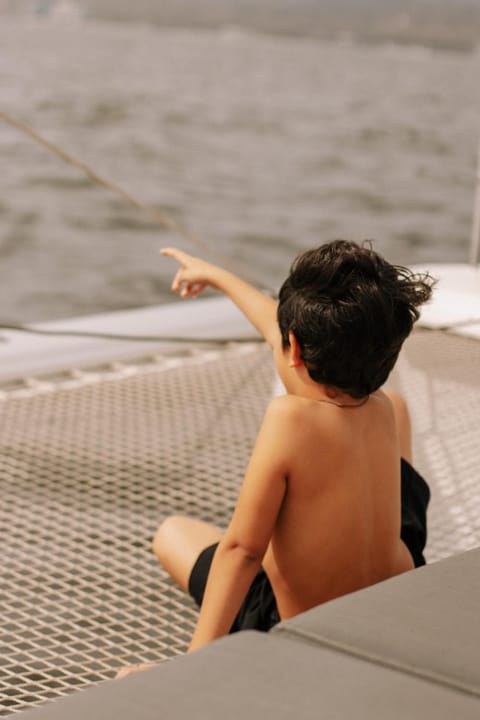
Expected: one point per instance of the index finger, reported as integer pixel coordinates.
(176, 254)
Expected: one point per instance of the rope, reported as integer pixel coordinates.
(160, 218)
(130, 338)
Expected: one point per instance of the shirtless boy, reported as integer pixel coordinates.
(322, 503)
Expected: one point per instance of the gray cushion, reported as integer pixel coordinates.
(425, 622)
(258, 677)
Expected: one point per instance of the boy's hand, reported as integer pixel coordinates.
(193, 275)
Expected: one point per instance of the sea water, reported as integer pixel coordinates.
(260, 145)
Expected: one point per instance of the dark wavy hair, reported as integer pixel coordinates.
(350, 311)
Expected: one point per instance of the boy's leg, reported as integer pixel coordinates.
(404, 425)
(179, 541)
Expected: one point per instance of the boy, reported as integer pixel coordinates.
(319, 513)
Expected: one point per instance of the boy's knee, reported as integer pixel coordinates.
(165, 534)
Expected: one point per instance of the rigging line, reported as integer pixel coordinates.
(458, 324)
(160, 218)
(132, 338)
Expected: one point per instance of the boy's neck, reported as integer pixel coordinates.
(308, 388)
(350, 404)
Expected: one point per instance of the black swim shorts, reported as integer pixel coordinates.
(259, 609)
(415, 499)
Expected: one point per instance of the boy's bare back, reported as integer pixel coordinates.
(338, 529)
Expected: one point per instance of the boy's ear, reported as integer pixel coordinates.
(294, 351)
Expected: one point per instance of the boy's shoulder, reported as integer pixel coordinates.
(290, 412)
(286, 405)
(296, 428)
(318, 420)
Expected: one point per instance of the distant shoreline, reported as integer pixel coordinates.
(447, 34)
(372, 21)
(453, 43)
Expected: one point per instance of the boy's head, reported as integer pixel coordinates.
(350, 311)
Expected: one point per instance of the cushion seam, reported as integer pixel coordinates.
(381, 660)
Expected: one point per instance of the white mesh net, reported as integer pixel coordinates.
(87, 473)
(90, 466)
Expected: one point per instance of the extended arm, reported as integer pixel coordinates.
(240, 553)
(195, 274)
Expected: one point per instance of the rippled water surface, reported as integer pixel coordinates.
(261, 146)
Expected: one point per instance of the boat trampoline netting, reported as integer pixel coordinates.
(91, 464)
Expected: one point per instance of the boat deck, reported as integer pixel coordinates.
(92, 461)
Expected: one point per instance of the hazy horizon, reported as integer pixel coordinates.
(453, 24)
